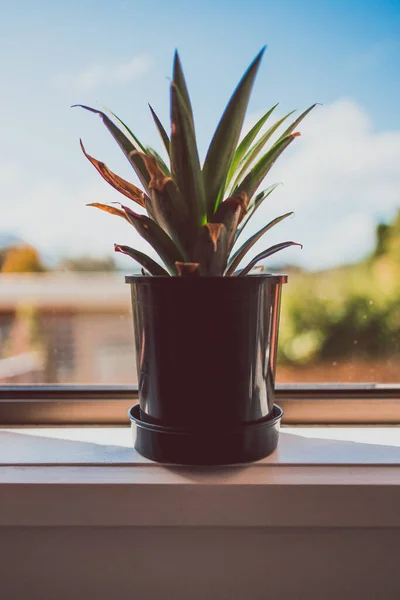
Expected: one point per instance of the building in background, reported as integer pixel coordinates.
(66, 328)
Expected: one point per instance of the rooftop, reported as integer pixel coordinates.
(64, 291)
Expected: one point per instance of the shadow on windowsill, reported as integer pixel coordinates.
(114, 446)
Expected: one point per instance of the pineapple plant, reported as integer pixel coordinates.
(205, 334)
(192, 214)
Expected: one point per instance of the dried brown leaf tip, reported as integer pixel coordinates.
(121, 185)
(214, 230)
(187, 269)
(109, 209)
(233, 202)
(243, 201)
(158, 179)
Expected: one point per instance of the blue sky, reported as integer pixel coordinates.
(339, 179)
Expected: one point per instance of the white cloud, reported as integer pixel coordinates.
(97, 75)
(340, 177)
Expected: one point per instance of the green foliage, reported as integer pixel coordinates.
(382, 232)
(196, 212)
(352, 311)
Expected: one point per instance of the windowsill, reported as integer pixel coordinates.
(319, 477)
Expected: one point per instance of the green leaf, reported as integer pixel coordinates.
(185, 163)
(127, 130)
(128, 147)
(229, 213)
(253, 179)
(179, 80)
(167, 205)
(148, 263)
(211, 249)
(156, 237)
(161, 130)
(225, 140)
(124, 187)
(160, 161)
(246, 143)
(265, 254)
(256, 149)
(295, 123)
(239, 255)
(166, 209)
(253, 206)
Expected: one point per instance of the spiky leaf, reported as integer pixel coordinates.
(110, 209)
(130, 133)
(156, 237)
(265, 254)
(154, 154)
(148, 263)
(185, 163)
(211, 249)
(167, 206)
(178, 79)
(161, 130)
(245, 144)
(255, 150)
(296, 122)
(253, 206)
(121, 185)
(225, 140)
(230, 212)
(253, 179)
(128, 147)
(240, 254)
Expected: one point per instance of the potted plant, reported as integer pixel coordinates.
(205, 331)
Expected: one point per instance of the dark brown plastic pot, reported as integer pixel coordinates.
(206, 357)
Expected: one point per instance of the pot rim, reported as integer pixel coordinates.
(269, 421)
(155, 279)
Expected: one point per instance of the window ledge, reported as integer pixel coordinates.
(91, 476)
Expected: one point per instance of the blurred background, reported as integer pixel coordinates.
(64, 308)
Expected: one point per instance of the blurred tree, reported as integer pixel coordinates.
(382, 234)
(88, 263)
(351, 312)
(21, 259)
(393, 242)
(388, 238)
